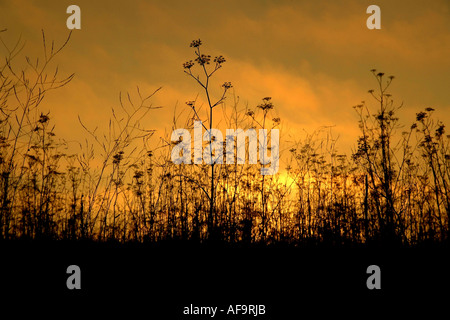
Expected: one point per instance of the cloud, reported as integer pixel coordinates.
(312, 58)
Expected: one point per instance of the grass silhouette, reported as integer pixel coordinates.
(394, 188)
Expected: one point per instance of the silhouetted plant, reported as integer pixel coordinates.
(21, 92)
(123, 186)
(203, 60)
(376, 153)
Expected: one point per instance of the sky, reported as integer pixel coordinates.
(312, 57)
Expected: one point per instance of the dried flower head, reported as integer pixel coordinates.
(43, 118)
(265, 105)
(420, 116)
(219, 60)
(196, 43)
(189, 64)
(440, 131)
(203, 59)
(227, 85)
(118, 157)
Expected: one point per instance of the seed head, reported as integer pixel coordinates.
(189, 64)
(227, 85)
(196, 43)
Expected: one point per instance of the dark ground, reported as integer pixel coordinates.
(157, 281)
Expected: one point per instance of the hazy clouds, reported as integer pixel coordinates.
(312, 58)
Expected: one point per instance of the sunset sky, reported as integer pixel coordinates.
(312, 57)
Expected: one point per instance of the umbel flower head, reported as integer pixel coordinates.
(196, 43)
(250, 113)
(219, 60)
(421, 115)
(189, 64)
(203, 59)
(227, 85)
(266, 105)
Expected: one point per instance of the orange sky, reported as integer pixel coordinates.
(312, 57)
